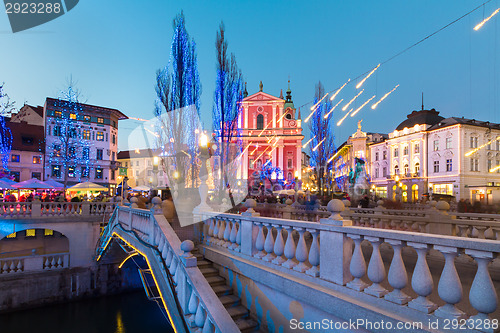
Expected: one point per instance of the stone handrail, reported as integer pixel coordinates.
(33, 263)
(37, 209)
(200, 306)
(325, 250)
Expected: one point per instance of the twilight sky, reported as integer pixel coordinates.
(113, 48)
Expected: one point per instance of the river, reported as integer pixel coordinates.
(125, 313)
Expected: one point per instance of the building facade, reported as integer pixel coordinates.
(92, 143)
(431, 155)
(139, 165)
(271, 134)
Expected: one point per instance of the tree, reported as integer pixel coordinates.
(71, 147)
(322, 146)
(226, 110)
(6, 108)
(178, 91)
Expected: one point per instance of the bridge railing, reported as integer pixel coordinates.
(325, 250)
(200, 305)
(34, 263)
(19, 210)
(435, 220)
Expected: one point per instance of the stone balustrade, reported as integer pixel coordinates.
(34, 263)
(37, 209)
(396, 270)
(201, 308)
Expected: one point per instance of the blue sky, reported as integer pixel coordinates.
(112, 49)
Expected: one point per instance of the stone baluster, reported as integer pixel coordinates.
(482, 295)
(232, 236)
(279, 246)
(227, 233)
(238, 239)
(314, 253)
(168, 256)
(211, 223)
(215, 231)
(259, 243)
(192, 305)
(463, 230)
(376, 269)
(449, 287)
(199, 318)
(358, 265)
(208, 327)
(220, 234)
(301, 253)
(397, 277)
(269, 243)
(480, 231)
(289, 248)
(421, 281)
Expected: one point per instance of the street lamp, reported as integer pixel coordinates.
(204, 156)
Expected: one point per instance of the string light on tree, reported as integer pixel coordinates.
(330, 112)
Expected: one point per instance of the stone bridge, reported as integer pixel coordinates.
(249, 273)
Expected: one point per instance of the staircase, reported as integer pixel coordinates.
(231, 302)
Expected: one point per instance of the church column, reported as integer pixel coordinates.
(246, 116)
(274, 116)
(280, 156)
(274, 160)
(244, 164)
(299, 161)
(280, 114)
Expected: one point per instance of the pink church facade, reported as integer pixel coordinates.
(271, 132)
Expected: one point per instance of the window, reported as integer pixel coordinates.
(56, 171)
(71, 172)
(15, 158)
(98, 173)
(290, 163)
(113, 156)
(106, 137)
(384, 155)
(48, 232)
(37, 175)
(396, 169)
(150, 173)
(260, 122)
(72, 116)
(498, 145)
(396, 152)
(72, 152)
(406, 169)
(417, 167)
(448, 143)
(490, 163)
(100, 136)
(405, 150)
(417, 148)
(100, 120)
(498, 166)
(72, 133)
(112, 174)
(57, 150)
(126, 164)
(27, 141)
(376, 156)
(113, 139)
(449, 165)
(435, 145)
(86, 153)
(30, 232)
(99, 154)
(376, 173)
(473, 142)
(86, 119)
(137, 163)
(58, 114)
(114, 123)
(488, 146)
(474, 164)
(137, 173)
(16, 175)
(86, 134)
(85, 172)
(442, 189)
(37, 159)
(384, 172)
(436, 166)
(57, 131)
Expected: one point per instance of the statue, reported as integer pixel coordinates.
(359, 125)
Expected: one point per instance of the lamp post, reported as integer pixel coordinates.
(204, 156)
(154, 183)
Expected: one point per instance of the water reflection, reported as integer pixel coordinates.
(127, 313)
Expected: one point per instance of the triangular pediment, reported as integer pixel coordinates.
(262, 96)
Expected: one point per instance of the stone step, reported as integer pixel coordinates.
(222, 290)
(204, 263)
(237, 312)
(216, 281)
(229, 300)
(209, 271)
(246, 325)
(198, 255)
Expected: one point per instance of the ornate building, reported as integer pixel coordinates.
(271, 133)
(429, 154)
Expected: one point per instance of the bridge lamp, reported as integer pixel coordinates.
(396, 178)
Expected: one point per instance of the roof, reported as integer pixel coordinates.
(27, 137)
(118, 113)
(421, 117)
(141, 153)
(464, 121)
